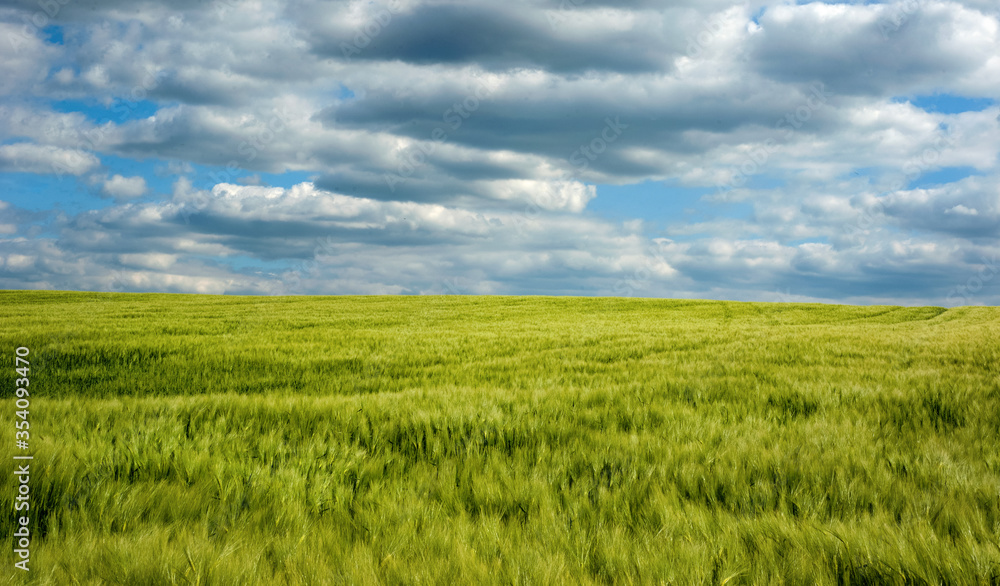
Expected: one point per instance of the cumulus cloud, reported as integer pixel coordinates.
(876, 49)
(45, 159)
(337, 243)
(969, 208)
(462, 146)
(120, 187)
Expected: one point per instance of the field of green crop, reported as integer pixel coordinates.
(186, 439)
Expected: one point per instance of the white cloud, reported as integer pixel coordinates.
(45, 159)
(24, 58)
(962, 211)
(120, 187)
(841, 205)
(148, 260)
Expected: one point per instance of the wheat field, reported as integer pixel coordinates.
(185, 439)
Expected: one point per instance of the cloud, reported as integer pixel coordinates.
(317, 241)
(877, 49)
(120, 187)
(962, 210)
(461, 147)
(969, 208)
(325, 242)
(45, 159)
(494, 36)
(155, 261)
(23, 58)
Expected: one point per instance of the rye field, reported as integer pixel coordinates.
(185, 439)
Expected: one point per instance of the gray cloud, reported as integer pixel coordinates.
(497, 37)
(881, 49)
(701, 94)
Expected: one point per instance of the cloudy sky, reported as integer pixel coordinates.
(775, 151)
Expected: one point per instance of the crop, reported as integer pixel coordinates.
(513, 440)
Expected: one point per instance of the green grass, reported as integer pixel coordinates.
(509, 440)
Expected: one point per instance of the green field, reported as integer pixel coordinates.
(183, 439)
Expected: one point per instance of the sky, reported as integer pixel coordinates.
(754, 151)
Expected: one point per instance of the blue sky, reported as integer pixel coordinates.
(831, 152)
